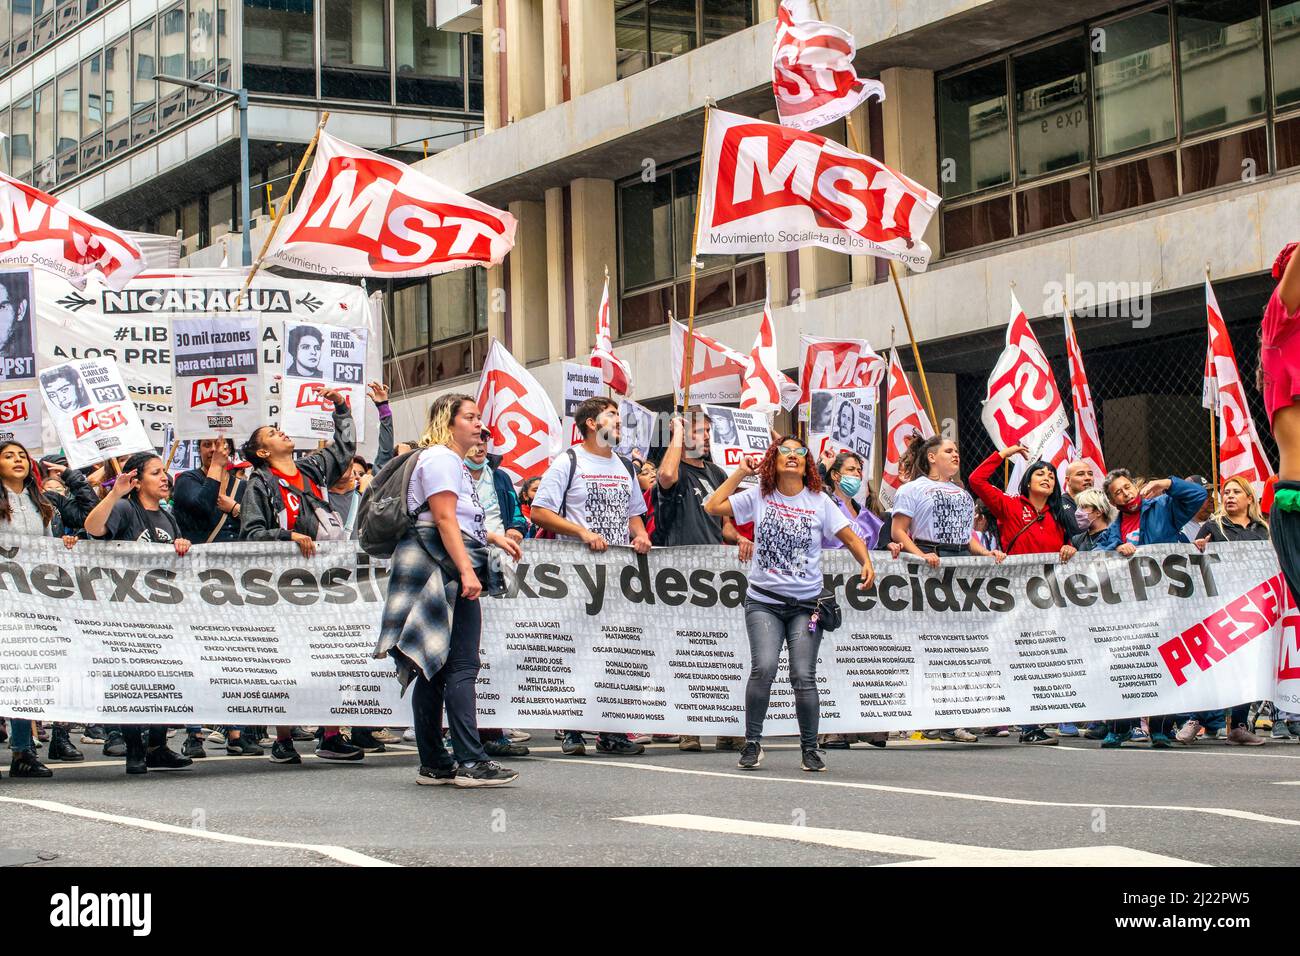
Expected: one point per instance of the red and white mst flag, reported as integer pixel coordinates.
(814, 80)
(837, 363)
(766, 388)
(906, 417)
(613, 371)
(1087, 436)
(1240, 451)
(42, 230)
(526, 431)
(363, 215)
(770, 188)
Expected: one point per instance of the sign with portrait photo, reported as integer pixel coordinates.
(842, 420)
(17, 348)
(316, 358)
(215, 376)
(735, 433)
(91, 412)
(638, 429)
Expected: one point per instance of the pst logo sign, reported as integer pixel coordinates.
(213, 391)
(13, 409)
(91, 419)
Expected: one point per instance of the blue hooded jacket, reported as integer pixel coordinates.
(1162, 518)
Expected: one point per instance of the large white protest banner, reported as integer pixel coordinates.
(254, 633)
(91, 412)
(20, 418)
(133, 327)
(316, 358)
(216, 379)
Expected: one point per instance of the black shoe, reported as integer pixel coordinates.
(485, 773)
(193, 747)
(336, 747)
(299, 734)
(365, 739)
(751, 756)
(282, 751)
(436, 776)
(812, 762)
(840, 743)
(61, 747)
(164, 758)
(242, 746)
(115, 744)
(618, 744)
(1038, 736)
(93, 734)
(502, 747)
(136, 762)
(25, 764)
(574, 745)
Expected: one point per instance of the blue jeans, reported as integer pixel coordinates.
(770, 626)
(454, 687)
(20, 734)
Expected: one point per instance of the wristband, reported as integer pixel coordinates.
(1286, 499)
(384, 410)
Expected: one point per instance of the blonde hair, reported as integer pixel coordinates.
(445, 407)
(1253, 514)
(1098, 502)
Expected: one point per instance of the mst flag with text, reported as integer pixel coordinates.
(1240, 450)
(906, 417)
(770, 188)
(814, 79)
(526, 431)
(361, 214)
(1087, 437)
(766, 388)
(837, 363)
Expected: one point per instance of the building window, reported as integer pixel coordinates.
(203, 51)
(427, 61)
(354, 61)
(1220, 62)
(436, 329)
(20, 139)
(92, 110)
(21, 42)
(68, 125)
(171, 62)
(1134, 77)
(5, 34)
(117, 96)
(43, 26)
(279, 49)
(43, 162)
(476, 72)
(647, 32)
(1051, 86)
(655, 223)
(224, 49)
(973, 132)
(144, 90)
(67, 15)
(1284, 26)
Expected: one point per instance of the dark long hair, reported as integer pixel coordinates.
(248, 451)
(915, 461)
(136, 463)
(32, 487)
(1055, 501)
(869, 499)
(812, 479)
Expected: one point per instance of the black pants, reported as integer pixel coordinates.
(135, 736)
(452, 687)
(1284, 532)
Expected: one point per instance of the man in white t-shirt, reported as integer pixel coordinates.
(591, 494)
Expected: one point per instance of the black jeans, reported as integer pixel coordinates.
(135, 736)
(769, 627)
(452, 686)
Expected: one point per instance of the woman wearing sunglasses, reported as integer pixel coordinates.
(791, 517)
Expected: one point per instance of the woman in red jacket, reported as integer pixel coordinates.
(1279, 361)
(1032, 522)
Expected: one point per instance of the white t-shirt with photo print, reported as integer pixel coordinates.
(941, 512)
(602, 496)
(788, 534)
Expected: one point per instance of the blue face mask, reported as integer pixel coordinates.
(850, 485)
(475, 465)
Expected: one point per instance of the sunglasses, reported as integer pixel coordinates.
(789, 452)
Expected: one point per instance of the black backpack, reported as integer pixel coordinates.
(383, 518)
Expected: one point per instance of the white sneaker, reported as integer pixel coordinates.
(408, 735)
(217, 738)
(519, 736)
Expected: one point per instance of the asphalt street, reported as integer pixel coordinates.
(991, 803)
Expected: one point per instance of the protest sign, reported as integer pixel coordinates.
(317, 358)
(216, 378)
(91, 412)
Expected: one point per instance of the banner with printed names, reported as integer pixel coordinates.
(254, 633)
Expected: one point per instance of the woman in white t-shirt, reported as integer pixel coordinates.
(433, 619)
(791, 517)
(934, 517)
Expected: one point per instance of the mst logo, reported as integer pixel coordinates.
(13, 409)
(213, 391)
(102, 418)
(311, 395)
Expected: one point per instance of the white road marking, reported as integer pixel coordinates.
(1253, 753)
(931, 852)
(759, 777)
(340, 853)
(392, 750)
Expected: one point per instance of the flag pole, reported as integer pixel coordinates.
(688, 352)
(1214, 426)
(275, 220)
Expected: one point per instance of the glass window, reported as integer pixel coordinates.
(410, 317)
(4, 34)
(117, 95)
(1051, 107)
(43, 162)
(427, 60)
(1054, 204)
(221, 213)
(68, 15)
(92, 110)
(20, 139)
(22, 29)
(43, 26)
(1220, 62)
(191, 227)
(631, 39)
(672, 29)
(453, 304)
(1285, 31)
(144, 90)
(977, 224)
(1224, 161)
(476, 72)
(224, 50)
(91, 6)
(171, 62)
(279, 49)
(69, 124)
(1128, 185)
(646, 226)
(354, 61)
(974, 140)
(203, 50)
(725, 17)
(1133, 75)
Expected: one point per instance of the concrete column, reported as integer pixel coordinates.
(556, 268)
(525, 71)
(911, 145)
(595, 246)
(528, 295)
(553, 52)
(767, 9)
(592, 59)
(497, 314)
(492, 47)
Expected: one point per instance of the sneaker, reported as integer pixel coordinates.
(193, 747)
(25, 764)
(137, 762)
(408, 735)
(812, 762)
(502, 747)
(217, 738)
(1039, 736)
(1188, 732)
(1096, 732)
(115, 745)
(282, 751)
(574, 745)
(689, 744)
(300, 733)
(1292, 725)
(1138, 735)
(62, 748)
(1067, 730)
(383, 735)
(666, 738)
(164, 758)
(519, 736)
(960, 735)
(362, 737)
(243, 746)
(617, 744)
(1244, 738)
(1161, 741)
(336, 747)
(835, 742)
(751, 757)
(932, 734)
(94, 734)
(485, 773)
(436, 776)
(1282, 731)
(641, 739)
(729, 743)
(1112, 740)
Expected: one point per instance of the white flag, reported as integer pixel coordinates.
(526, 432)
(814, 80)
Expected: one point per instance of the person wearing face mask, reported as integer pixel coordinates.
(1092, 516)
(527, 491)
(843, 482)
